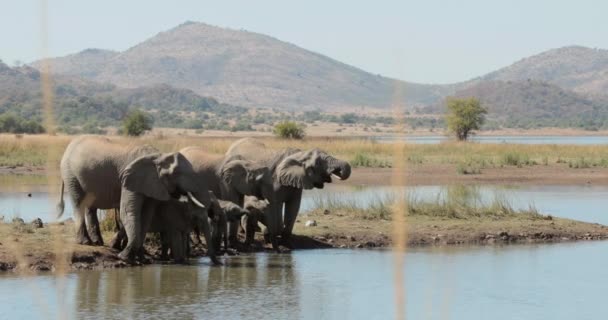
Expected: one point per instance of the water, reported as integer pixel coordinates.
(563, 281)
(575, 140)
(585, 203)
(557, 281)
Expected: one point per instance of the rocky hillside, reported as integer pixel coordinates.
(581, 69)
(243, 68)
(532, 103)
(77, 101)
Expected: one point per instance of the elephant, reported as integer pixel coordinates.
(258, 212)
(101, 174)
(176, 219)
(92, 180)
(293, 171)
(231, 178)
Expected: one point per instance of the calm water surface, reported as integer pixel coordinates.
(559, 281)
(563, 281)
(586, 203)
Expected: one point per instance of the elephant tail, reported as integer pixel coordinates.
(61, 204)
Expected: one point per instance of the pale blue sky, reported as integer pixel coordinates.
(425, 41)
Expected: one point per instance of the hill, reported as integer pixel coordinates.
(80, 102)
(243, 68)
(528, 104)
(580, 69)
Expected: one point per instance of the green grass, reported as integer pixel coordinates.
(454, 202)
(362, 159)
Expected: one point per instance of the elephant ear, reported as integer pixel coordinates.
(292, 172)
(142, 175)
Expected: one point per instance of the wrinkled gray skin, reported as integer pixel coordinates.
(258, 212)
(292, 171)
(176, 219)
(90, 169)
(100, 174)
(231, 178)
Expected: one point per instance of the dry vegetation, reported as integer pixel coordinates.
(32, 150)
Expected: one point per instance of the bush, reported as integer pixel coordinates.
(15, 124)
(289, 130)
(136, 123)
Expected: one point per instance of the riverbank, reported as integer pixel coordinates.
(27, 248)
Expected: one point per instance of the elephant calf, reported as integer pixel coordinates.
(258, 211)
(174, 220)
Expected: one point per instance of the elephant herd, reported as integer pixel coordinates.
(190, 190)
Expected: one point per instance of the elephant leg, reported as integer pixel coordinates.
(130, 215)
(93, 226)
(249, 222)
(165, 243)
(292, 207)
(118, 242)
(274, 225)
(78, 195)
(232, 234)
(210, 245)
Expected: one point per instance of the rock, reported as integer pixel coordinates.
(321, 239)
(18, 221)
(311, 223)
(37, 223)
(359, 246)
(370, 244)
(330, 241)
(326, 211)
(342, 246)
(352, 238)
(29, 195)
(490, 236)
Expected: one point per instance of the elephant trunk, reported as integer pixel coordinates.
(338, 168)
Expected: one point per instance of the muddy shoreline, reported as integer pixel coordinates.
(28, 251)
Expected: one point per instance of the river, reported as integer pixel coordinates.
(550, 281)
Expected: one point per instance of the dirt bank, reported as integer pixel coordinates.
(24, 248)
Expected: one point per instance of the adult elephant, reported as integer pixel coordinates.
(231, 178)
(293, 171)
(101, 174)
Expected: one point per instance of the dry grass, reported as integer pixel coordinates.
(31, 150)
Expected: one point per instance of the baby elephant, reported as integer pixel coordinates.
(258, 212)
(174, 220)
(231, 213)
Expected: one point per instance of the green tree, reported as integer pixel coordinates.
(463, 116)
(136, 123)
(289, 130)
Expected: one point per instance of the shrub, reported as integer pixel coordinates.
(136, 123)
(289, 130)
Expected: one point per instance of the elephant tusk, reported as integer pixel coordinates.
(337, 176)
(196, 202)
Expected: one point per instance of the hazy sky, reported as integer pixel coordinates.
(424, 41)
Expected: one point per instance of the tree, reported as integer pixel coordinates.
(289, 130)
(463, 116)
(136, 123)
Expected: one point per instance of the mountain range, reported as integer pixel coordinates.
(253, 70)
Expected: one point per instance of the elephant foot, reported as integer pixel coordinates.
(215, 261)
(286, 241)
(126, 255)
(232, 252)
(116, 243)
(84, 241)
(283, 249)
(97, 242)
